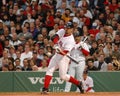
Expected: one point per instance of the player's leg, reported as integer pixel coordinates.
(63, 66)
(51, 68)
(79, 71)
(71, 72)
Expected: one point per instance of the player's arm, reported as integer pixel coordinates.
(55, 38)
(90, 85)
(88, 89)
(62, 52)
(84, 48)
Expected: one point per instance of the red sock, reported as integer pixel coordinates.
(47, 81)
(73, 80)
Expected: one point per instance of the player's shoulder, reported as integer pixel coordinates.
(60, 32)
(89, 78)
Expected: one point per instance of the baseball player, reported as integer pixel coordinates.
(79, 52)
(65, 42)
(87, 82)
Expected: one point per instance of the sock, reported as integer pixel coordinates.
(47, 81)
(74, 81)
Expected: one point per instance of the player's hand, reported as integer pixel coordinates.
(81, 44)
(57, 48)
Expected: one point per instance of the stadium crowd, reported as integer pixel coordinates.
(26, 28)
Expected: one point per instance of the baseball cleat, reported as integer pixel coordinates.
(80, 86)
(44, 91)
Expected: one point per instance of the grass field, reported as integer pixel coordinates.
(60, 94)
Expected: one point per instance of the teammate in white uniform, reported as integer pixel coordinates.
(87, 82)
(76, 70)
(65, 41)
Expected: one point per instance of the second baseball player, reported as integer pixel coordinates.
(79, 52)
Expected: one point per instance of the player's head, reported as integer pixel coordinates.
(85, 74)
(77, 37)
(85, 71)
(69, 24)
(69, 27)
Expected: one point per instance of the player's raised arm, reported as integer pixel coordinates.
(55, 38)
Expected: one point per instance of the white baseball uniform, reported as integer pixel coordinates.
(60, 61)
(76, 70)
(88, 84)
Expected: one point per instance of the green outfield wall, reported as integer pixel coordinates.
(33, 82)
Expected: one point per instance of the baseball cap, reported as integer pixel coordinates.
(85, 71)
(94, 25)
(58, 10)
(72, 14)
(75, 20)
(69, 25)
(18, 67)
(101, 45)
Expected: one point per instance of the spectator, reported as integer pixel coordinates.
(110, 67)
(113, 6)
(108, 49)
(94, 29)
(83, 3)
(33, 30)
(11, 66)
(45, 32)
(93, 48)
(20, 48)
(115, 63)
(5, 57)
(66, 15)
(17, 63)
(18, 28)
(29, 19)
(26, 65)
(36, 60)
(90, 65)
(41, 53)
(24, 35)
(39, 40)
(11, 15)
(12, 52)
(26, 54)
(49, 22)
(100, 48)
(100, 64)
(117, 38)
(116, 51)
(5, 68)
(58, 13)
(54, 30)
(38, 24)
(44, 65)
(14, 40)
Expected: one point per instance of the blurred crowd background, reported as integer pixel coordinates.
(26, 28)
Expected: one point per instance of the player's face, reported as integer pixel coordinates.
(77, 39)
(69, 31)
(84, 76)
